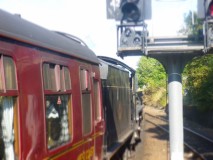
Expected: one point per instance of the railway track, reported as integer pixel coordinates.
(196, 143)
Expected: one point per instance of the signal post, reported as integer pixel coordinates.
(174, 64)
(174, 53)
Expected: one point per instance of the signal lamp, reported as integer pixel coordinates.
(210, 34)
(137, 40)
(128, 32)
(211, 9)
(130, 10)
(208, 24)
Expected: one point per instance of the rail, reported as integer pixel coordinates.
(200, 145)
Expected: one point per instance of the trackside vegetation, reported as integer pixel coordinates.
(197, 81)
(152, 81)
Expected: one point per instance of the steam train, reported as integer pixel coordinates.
(58, 100)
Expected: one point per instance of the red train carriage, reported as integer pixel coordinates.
(50, 98)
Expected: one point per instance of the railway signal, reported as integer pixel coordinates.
(209, 26)
(131, 39)
(205, 12)
(132, 30)
(130, 10)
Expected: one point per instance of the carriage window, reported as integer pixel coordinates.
(97, 100)
(49, 77)
(86, 101)
(57, 84)
(56, 77)
(9, 70)
(8, 109)
(67, 78)
(57, 120)
(8, 123)
(85, 81)
(7, 76)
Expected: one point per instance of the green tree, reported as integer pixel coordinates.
(193, 27)
(199, 83)
(198, 74)
(152, 78)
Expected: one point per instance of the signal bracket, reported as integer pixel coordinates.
(131, 39)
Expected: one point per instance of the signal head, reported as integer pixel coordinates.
(210, 10)
(131, 12)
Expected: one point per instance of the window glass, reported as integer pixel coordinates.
(97, 100)
(62, 80)
(45, 75)
(7, 134)
(1, 75)
(8, 110)
(9, 71)
(51, 77)
(67, 78)
(56, 78)
(86, 106)
(86, 101)
(85, 84)
(1, 83)
(57, 121)
(58, 104)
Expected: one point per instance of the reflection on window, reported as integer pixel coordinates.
(57, 84)
(9, 70)
(56, 77)
(86, 101)
(85, 83)
(97, 100)
(57, 122)
(49, 77)
(67, 78)
(86, 106)
(8, 109)
(7, 125)
(8, 74)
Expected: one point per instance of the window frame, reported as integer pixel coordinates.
(98, 117)
(4, 89)
(87, 90)
(59, 89)
(14, 93)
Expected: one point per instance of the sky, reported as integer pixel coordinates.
(87, 20)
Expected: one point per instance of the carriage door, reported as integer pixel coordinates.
(99, 121)
(87, 119)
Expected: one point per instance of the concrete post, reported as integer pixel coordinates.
(174, 71)
(174, 65)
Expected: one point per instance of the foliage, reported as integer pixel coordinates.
(193, 27)
(150, 72)
(198, 83)
(152, 78)
(198, 75)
